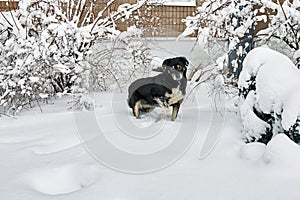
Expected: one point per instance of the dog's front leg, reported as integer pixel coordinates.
(175, 110)
(175, 96)
(163, 106)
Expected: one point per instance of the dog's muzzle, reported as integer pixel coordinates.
(177, 75)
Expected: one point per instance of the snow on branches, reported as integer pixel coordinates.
(44, 45)
(120, 61)
(238, 21)
(269, 90)
(283, 25)
(231, 20)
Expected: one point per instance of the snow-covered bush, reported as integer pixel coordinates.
(269, 88)
(119, 60)
(24, 76)
(283, 25)
(43, 50)
(232, 21)
(42, 55)
(238, 21)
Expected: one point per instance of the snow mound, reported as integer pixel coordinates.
(282, 151)
(253, 151)
(62, 180)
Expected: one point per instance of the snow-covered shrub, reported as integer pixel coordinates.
(283, 25)
(269, 88)
(43, 50)
(215, 76)
(237, 22)
(119, 60)
(24, 77)
(41, 56)
(232, 21)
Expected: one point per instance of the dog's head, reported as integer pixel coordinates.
(176, 67)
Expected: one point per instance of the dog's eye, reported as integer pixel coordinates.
(179, 67)
(173, 67)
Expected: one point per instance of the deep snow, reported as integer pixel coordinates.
(42, 157)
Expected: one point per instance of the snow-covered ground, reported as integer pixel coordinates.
(42, 156)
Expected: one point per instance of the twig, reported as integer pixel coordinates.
(6, 19)
(290, 25)
(37, 101)
(116, 16)
(101, 13)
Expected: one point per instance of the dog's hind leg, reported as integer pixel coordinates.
(136, 109)
(175, 110)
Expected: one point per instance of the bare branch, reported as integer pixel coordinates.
(101, 13)
(290, 25)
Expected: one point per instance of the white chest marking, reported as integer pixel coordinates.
(175, 96)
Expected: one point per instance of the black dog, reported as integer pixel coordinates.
(164, 90)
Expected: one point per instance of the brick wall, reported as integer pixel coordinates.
(168, 18)
(8, 5)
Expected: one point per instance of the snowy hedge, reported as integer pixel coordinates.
(42, 55)
(44, 51)
(269, 88)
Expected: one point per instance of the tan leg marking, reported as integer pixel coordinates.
(175, 96)
(136, 110)
(175, 111)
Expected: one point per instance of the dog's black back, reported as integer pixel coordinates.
(148, 88)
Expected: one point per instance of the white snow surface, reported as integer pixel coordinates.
(42, 157)
(277, 83)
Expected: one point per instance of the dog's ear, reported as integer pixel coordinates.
(166, 63)
(185, 61)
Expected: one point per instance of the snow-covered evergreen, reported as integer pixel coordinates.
(269, 86)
